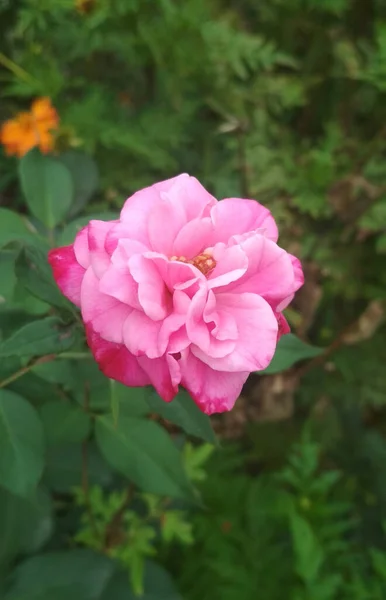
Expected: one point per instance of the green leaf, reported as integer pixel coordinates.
(114, 401)
(381, 244)
(45, 336)
(47, 186)
(185, 413)
(64, 422)
(175, 527)
(12, 227)
(158, 585)
(378, 561)
(194, 458)
(35, 389)
(308, 552)
(13, 296)
(21, 444)
(25, 525)
(64, 467)
(34, 273)
(84, 575)
(7, 278)
(72, 575)
(132, 401)
(290, 350)
(143, 452)
(85, 177)
(86, 375)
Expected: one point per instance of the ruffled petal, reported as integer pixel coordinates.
(257, 329)
(283, 327)
(119, 235)
(153, 294)
(99, 258)
(81, 248)
(115, 361)
(140, 335)
(233, 216)
(164, 374)
(188, 195)
(212, 391)
(201, 319)
(106, 314)
(193, 238)
(119, 283)
(270, 271)
(231, 264)
(68, 273)
(163, 224)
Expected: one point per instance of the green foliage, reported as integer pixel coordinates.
(12, 227)
(47, 186)
(298, 528)
(44, 336)
(280, 100)
(34, 275)
(290, 350)
(26, 524)
(185, 413)
(64, 422)
(21, 444)
(141, 450)
(111, 526)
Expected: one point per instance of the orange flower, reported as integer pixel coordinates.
(30, 129)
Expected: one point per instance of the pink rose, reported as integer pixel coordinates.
(181, 289)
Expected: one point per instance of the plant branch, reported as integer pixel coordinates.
(85, 475)
(42, 360)
(16, 70)
(113, 528)
(26, 369)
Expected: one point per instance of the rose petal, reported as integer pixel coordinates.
(99, 258)
(140, 335)
(270, 271)
(213, 391)
(193, 238)
(283, 327)
(153, 295)
(257, 334)
(119, 283)
(81, 248)
(164, 374)
(231, 264)
(164, 223)
(188, 195)
(68, 273)
(233, 216)
(119, 235)
(106, 314)
(115, 361)
(201, 315)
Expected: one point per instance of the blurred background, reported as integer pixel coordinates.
(283, 101)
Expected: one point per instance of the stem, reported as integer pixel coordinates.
(85, 482)
(85, 477)
(41, 360)
(113, 527)
(74, 355)
(15, 69)
(24, 370)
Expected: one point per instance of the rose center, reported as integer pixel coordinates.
(204, 262)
